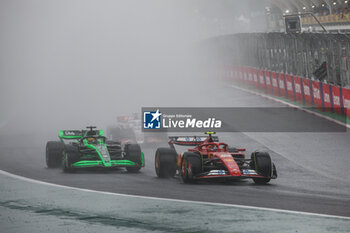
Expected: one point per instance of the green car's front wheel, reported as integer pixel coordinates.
(133, 153)
(67, 162)
(53, 153)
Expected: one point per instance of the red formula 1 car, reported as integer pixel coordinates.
(211, 159)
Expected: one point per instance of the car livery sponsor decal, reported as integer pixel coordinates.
(72, 132)
(216, 172)
(249, 172)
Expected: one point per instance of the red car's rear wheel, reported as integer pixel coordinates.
(165, 162)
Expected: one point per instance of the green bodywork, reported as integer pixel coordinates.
(99, 146)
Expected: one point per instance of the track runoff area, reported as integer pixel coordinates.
(77, 209)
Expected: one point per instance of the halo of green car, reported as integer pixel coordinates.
(79, 149)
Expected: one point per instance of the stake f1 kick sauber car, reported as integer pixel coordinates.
(212, 159)
(89, 148)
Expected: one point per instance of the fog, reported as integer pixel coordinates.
(68, 64)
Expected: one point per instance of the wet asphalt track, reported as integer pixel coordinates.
(312, 168)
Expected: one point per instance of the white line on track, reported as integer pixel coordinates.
(173, 200)
(291, 105)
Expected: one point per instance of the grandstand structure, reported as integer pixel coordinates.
(333, 14)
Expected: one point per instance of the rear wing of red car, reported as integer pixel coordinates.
(190, 140)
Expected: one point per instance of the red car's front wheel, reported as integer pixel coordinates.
(191, 165)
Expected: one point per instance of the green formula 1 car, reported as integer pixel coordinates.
(90, 148)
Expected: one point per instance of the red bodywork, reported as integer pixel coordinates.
(212, 150)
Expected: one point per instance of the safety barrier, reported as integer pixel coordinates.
(308, 92)
(322, 56)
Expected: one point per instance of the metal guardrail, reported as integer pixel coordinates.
(295, 54)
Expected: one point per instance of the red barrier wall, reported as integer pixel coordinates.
(255, 78)
(281, 84)
(240, 74)
(336, 99)
(250, 76)
(297, 84)
(268, 82)
(297, 88)
(245, 75)
(289, 82)
(275, 83)
(261, 80)
(346, 101)
(316, 94)
(326, 97)
(307, 91)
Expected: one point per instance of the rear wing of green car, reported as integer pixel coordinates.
(75, 134)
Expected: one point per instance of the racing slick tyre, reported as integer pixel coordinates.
(165, 162)
(262, 164)
(191, 165)
(53, 153)
(67, 161)
(133, 153)
(70, 156)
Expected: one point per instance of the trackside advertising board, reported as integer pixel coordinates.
(268, 82)
(245, 74)
(306, 91)
(327, 97)
(275, 87)
(262, 80)
(255, 78)
(282, 84)
(290, 90)
(316, 91)
(250, 76)
(298, 88)
(336, 99)
(346, 101)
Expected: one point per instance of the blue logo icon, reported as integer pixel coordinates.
(152, 120)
